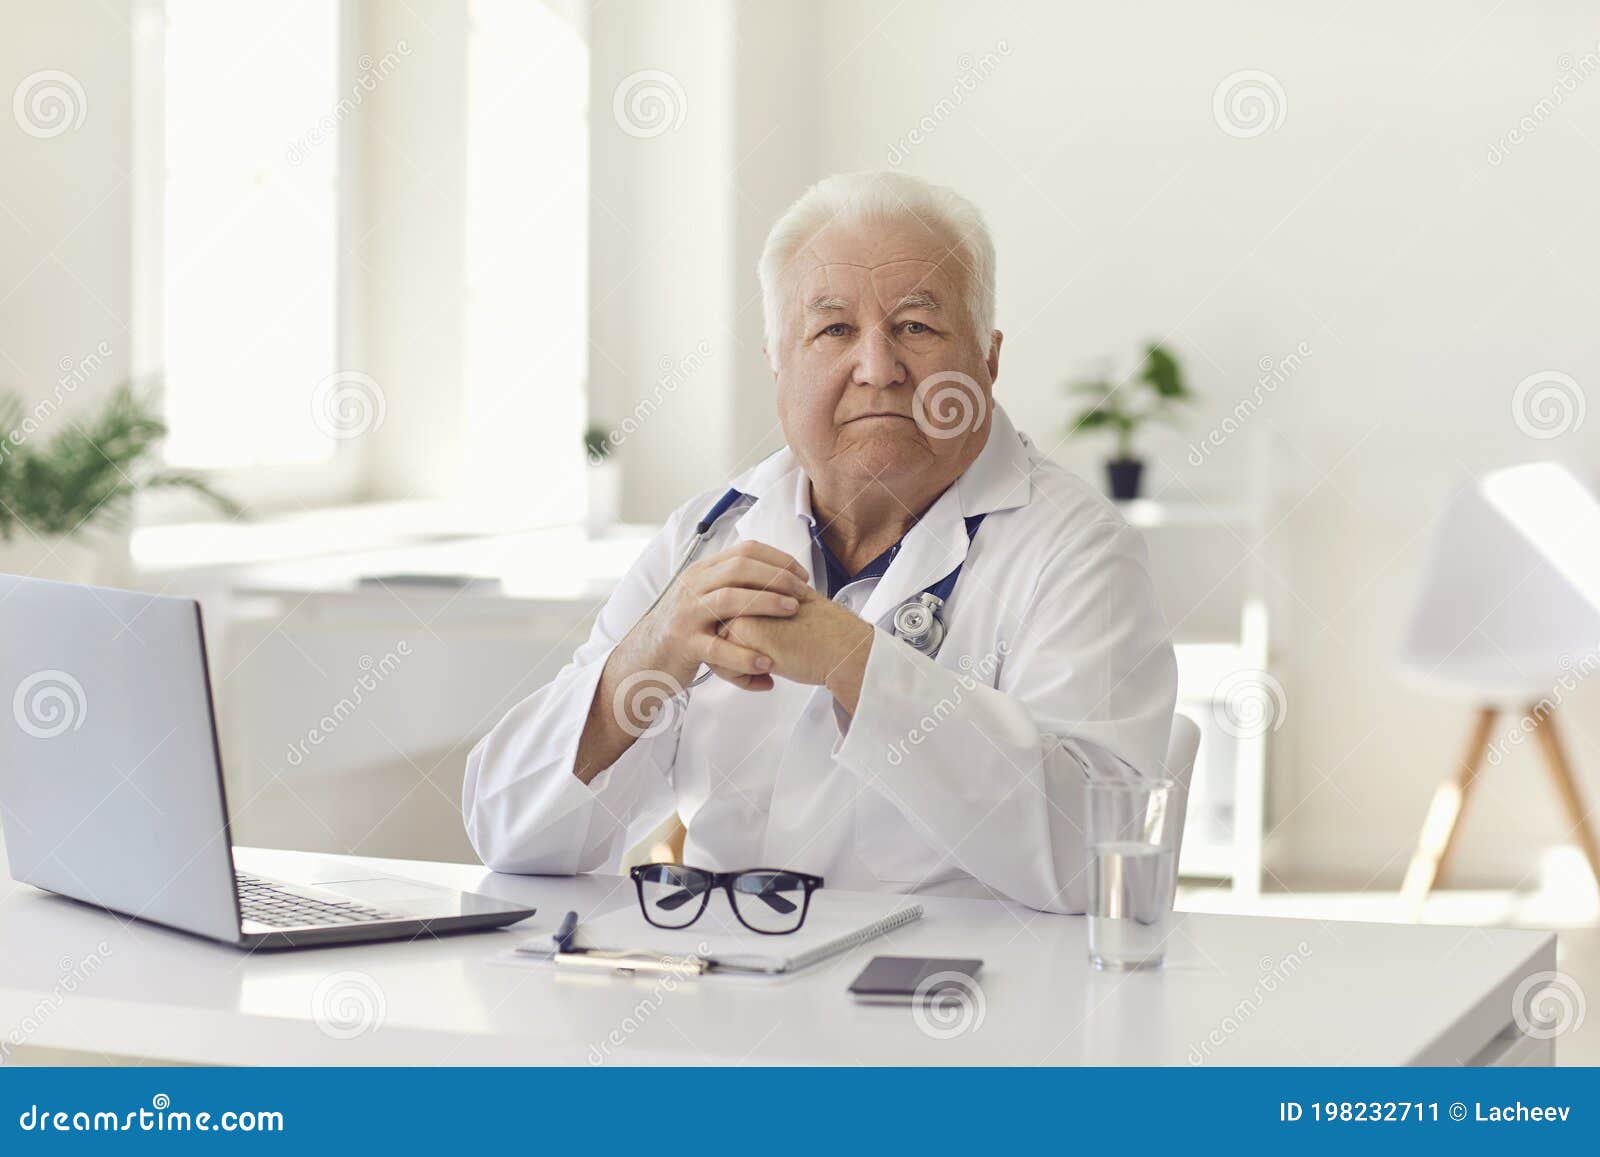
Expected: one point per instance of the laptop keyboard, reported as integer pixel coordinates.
(268, 903)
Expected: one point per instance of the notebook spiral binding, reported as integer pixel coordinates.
(860, 935)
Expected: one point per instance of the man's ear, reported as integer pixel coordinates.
(994, 354)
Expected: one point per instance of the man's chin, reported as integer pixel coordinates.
(883, 457)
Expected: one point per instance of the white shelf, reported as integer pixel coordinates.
(1154, 513)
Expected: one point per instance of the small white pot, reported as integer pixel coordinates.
(97, 558)
(605, 496)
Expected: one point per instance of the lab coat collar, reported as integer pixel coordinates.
(998, 479)
(779, 516)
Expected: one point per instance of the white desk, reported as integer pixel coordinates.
(1275, 992)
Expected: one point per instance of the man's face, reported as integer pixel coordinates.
(870, 314)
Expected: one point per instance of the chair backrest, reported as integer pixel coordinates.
(1182, 746)
(1510, 594)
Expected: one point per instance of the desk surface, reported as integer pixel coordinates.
(1235, 991)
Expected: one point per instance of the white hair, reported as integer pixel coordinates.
(854, 198)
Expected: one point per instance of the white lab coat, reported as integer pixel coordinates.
(957, 775)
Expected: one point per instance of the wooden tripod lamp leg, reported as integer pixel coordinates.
(1566, 787)
(1438, 836)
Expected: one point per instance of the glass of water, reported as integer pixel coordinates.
(1131, 832)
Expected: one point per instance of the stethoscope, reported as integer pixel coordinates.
(917, 621)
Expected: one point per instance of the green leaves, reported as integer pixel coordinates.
(1162, 373)
(91, 468)
(1123, 408)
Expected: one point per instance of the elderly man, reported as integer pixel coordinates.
(838, 734)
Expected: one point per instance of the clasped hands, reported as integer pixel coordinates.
(749, 613)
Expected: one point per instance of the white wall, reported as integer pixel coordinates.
(65, 203)
(661, 265)
(410, 245)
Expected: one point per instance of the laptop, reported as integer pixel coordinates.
(111, 788)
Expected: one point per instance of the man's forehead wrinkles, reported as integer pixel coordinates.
(825, 266)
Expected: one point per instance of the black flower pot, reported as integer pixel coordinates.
(1124, 474)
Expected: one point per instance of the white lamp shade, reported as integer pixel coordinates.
(1510, 595)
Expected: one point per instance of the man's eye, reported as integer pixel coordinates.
(917, 327)
(837, 329)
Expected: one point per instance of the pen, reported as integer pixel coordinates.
(568, 953)
(565, 933)
(632, 961)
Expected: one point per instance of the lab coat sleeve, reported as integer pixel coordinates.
(987, 758)
(524, 809)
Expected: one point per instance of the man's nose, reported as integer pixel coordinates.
(878, 360)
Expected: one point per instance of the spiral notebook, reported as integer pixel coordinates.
(836, 922)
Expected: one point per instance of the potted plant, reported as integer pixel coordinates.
(59, 497)
(605, 480)
(1153, 394)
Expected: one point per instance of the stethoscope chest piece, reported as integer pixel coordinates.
(917, 622)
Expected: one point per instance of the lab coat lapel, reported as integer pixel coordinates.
(998, 479)
(776, 518)
(932, 549)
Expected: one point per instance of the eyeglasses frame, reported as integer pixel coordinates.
(724, 880)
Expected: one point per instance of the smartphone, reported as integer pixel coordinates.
(908, 979)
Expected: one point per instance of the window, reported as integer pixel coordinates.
(249, 226)
(329, 190)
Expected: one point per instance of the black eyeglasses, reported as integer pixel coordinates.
(766, 900)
